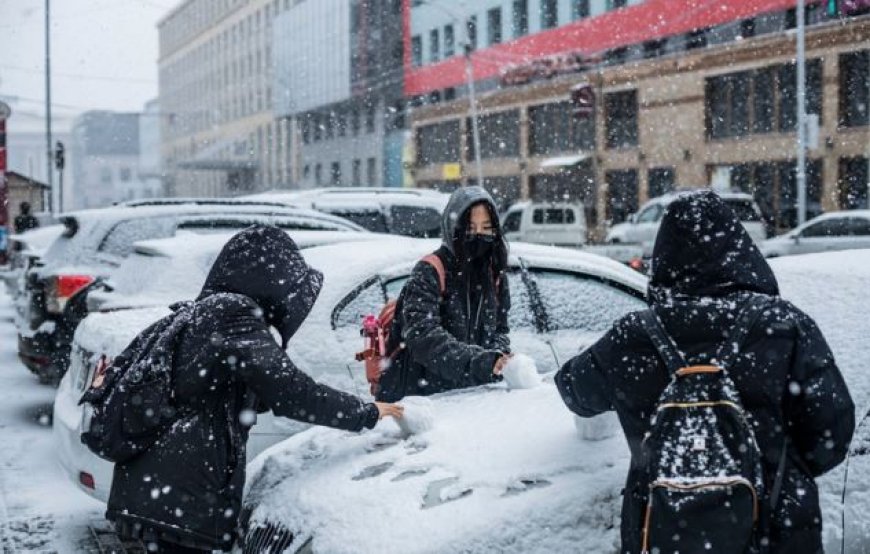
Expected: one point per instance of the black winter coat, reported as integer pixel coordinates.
(187, 488)
(451, 341)
(705, 266)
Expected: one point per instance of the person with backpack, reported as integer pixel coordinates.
(450, 328)
(730, 398)
(173, 411)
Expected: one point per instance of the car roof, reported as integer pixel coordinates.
(366, 198)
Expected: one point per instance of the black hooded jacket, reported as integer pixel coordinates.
(187, 488)
(451, 341)
(704, 268)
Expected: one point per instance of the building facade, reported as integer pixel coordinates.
(105, 160)
(697, 99)
(339, 75)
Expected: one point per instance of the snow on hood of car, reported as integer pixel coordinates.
(500, 471)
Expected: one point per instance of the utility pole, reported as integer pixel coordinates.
(475, 127)
(801, 115)
(49, 158)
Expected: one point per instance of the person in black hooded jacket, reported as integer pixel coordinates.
(459, 339)
(704, 268)
(184, 493)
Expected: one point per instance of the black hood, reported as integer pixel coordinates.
(460, 201)
(265, 264)
(702, 249)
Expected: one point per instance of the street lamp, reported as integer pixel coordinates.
(459, 20)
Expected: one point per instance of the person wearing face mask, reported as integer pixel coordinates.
(184, 493)
(456, 336)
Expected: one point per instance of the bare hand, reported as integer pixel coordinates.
(389, 410)
(501, 363)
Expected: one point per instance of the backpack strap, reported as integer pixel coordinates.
(663, 342)
(435, 261)
(743, 323)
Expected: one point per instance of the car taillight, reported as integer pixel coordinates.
(62, 288)
(87, 480)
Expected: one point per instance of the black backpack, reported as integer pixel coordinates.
(132, 400)
(701, 459)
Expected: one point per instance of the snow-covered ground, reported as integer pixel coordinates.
(40, 510)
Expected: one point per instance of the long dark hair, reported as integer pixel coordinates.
(498, 258)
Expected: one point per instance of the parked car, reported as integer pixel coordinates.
(561, 300)
(508, 471)
(643, 226)
(408, 212)
(554, 223)
(24, 250)
(845, 230)
(93, 244)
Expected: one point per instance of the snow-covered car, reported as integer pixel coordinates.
(560, 298)
(643, 226)
(94, 242)
(25, 250)
(398, 211)
(512, 470)
(847, 230)
(556, 223)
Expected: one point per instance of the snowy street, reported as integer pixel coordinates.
(41, 510)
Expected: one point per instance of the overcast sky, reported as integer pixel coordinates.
(103, 56)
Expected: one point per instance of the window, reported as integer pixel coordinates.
(371, 113)
(471, 32)
(434, 46)
(493, 25)
(370, 219)
(438, 143)
(449, 41)
(621, 119)
(412, 221)
(582, 303)
(759, 101)
(119, 241)
(316, 126)
(341, 123)
(743, 209)
(318, 174)
(335, 174)
(855, 89)
(549, 14)
(499, 135)
(621, 194)
(615, 4)
(417, 50)
(838, 227)
(854, 182)
(651, 214)
(106, 175)
(553, 130)
(579, 9)
(329, 125)
(355, 121)
(371, 173)
(661, 181)
(520, 17)
(368, 299)
(124, 174)
(511, 223)
(357, 173)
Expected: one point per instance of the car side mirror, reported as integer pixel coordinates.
(796, 238)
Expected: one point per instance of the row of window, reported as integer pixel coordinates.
(318, 126)
(443, 42)
(337, 178)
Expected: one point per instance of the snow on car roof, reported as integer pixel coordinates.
(348, 199)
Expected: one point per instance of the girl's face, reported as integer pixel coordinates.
(479, 222)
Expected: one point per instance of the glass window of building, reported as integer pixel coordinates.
(549, 14)
(520, 17)
(493, 25)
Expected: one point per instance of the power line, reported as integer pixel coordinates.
(88, 77)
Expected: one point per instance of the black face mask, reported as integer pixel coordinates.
(478, 246)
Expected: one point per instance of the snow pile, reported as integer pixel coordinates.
(521, 373)
(418, 417)
(598, 428)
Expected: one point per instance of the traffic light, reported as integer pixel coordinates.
(59, 160)
(583, 100)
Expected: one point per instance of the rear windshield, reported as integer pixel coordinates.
(744, 210)
(412, 221)
(371, 220)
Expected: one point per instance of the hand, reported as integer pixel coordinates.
(389, 410)
(501, 363)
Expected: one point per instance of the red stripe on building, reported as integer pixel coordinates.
(653, 19)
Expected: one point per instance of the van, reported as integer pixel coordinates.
(553, 223)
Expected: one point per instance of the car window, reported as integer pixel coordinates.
(538, 216)
(371, 220)
(512, 222)
(744, 209)
(860, 227)
(367, 299)
(412, 221)
(579, 302)
(837, 227)
(120, 238)
(650, 215)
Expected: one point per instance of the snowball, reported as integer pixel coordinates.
(597, 428)
(521, 373)
(418, 417)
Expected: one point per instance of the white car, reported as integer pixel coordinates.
(845, 230)
(554, 223)
(643, 226)
(507, 471)
(561, 300)
(398, 211)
